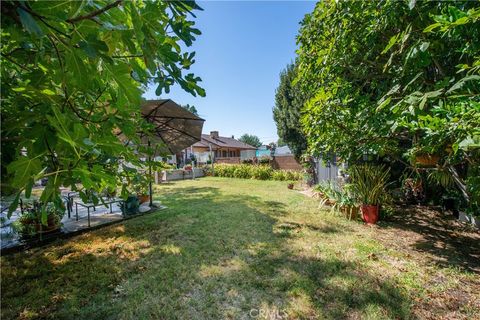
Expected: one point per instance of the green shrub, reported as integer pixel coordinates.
(242, 171)
(264, 160)
(258, 172)
(262, 173)
(279, 175)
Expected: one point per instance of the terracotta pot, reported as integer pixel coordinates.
(370, 213)
(143, 198)
(290, 186)
(427, 160)
(52, 225)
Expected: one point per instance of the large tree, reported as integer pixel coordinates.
(289, 101)
(392, 78)
(73, 73)
(358, 58)
(251, 139)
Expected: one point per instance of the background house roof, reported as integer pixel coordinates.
(285, 150)
(222, 142)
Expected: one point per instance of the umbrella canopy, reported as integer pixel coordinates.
(175, 126)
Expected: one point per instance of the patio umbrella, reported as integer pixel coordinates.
(175, 128)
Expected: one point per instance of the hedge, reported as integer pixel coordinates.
(248, 171)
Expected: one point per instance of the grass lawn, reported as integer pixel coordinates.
(236, 249)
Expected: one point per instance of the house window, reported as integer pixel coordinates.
(224, 153)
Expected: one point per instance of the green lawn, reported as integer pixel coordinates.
(231, 249)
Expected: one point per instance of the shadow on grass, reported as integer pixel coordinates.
(451, 243)
(210, 255)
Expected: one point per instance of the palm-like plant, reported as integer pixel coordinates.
(369, 183)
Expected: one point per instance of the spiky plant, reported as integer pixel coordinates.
(369, 183)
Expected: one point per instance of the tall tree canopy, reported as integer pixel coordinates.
(392, 78)
(289, 101)
(73, 73)
(251, 139)
(380, 73)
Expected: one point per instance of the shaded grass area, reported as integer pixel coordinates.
(227, 249)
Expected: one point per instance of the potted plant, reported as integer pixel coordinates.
(32, 222)
(142, 193)
(290, 186)
(140, 186)
(369, 188)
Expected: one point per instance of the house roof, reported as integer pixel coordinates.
(222, 142)
(285, 150)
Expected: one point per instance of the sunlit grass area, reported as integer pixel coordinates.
(230, 249)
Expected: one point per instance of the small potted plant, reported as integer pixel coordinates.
(139, 183)
(142, 193)
(32, 222)
(369, 188)
(290, 185)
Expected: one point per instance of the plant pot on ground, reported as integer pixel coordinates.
(370, 213)
(142, 198)
(290, 186)
(369, 188)
(141, 189)
(33, 221)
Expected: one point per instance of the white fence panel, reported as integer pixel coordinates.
(325, 170)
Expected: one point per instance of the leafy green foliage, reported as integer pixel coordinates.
(190, 108)
(369, 183)
(339, 196)
(392, 79)
(382, 77)
(72, 77)
(257, 172)
(289, 101)
(281, 142)
(251, 139)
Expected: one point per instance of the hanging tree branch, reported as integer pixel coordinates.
(95, 13)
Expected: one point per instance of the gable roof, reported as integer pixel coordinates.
(222, 142)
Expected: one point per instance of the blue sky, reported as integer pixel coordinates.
(243, 47)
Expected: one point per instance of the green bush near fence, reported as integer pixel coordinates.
(248, 171)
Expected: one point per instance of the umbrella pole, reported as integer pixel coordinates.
(150, 175)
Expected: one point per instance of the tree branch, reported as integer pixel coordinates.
(42, 18)
(14, 62)
(95, 13)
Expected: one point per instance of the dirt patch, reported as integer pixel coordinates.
(427, 236)
(309, 192)
(439, 237)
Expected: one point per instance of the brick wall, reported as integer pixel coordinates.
(286, 163)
